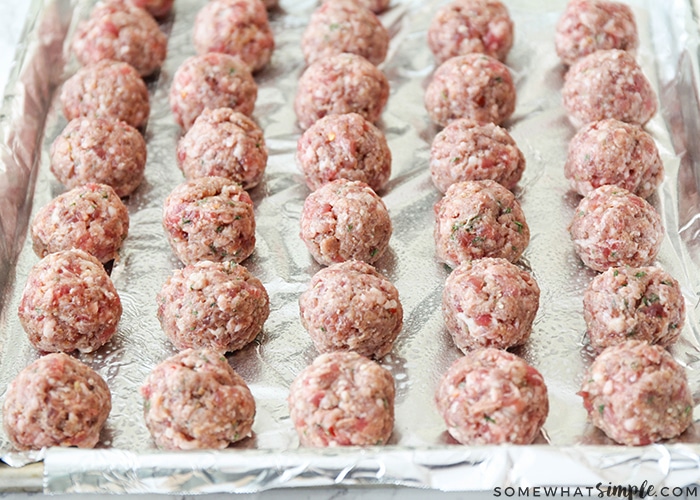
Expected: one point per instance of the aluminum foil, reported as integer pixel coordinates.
(420, 452)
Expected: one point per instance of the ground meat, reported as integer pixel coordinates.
(590, 25)
(157, 8)
(477, 219)
(211, 81)
(69, 303)
(491, 396)
(216, 305)
(614, 152)
(471, 26)
(643, 303)
(344, 26)
(344, 147)
(376, 6)
(90, 217)
(472, 86)
(489, 303)
(210, 218)
(99, 150)
(107, 89)
(467, 151)
(613, 227)
(608, 84)
(349, 306)
(56, 401)
(195, 400)
(119, 31)
(342, 83)
(345, 220)
(225, 143)
(236, 27)
(637, 394)
(342, 399)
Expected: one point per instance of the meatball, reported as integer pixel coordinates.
(107, 89)
(344, 147)
(644, 303)
(613, 152)
(344, 26)
(89, 217)
(56, 401)
(477, 219)
(236, 27)
(225, 143)
(157, 8)
(608, 84)
(491, 396)
(342, 399)
(472, 86)
(216, 305)
(69, 303)
(210, 218)
(345, 220)
(471, 26)
(489, 303)
(119, 31)
(349, 306)
(637, 394)
(613, 228)
(211, 81)
(467, 151)
(342, 83)
(195, 400)
(590, 25)
(99, 150)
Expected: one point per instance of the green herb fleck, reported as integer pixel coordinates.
(601, 409)
(489, 419)
(640, 274)
(219, 229)
(520, 226)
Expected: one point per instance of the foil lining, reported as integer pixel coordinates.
(420, 453)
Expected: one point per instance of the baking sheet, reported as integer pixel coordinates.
(420, 453)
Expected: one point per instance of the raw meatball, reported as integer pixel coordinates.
(217, 305)
(157, 8)
(345, 220)
(69, 303)
(613, 227)
(637, 394)
(342, 399)
(491, 396)
(472, 86)
(236, 27)
(342, 83)
(644, 303)
(376, 6)
(489, 303)
(344, 26)
(99, 150)
(211, 81)
(195, 400)
(590, 25)
(107, 89)
(90, 217)
(225, 143)
(471, 26)
(614, 152)
(608, 84)
(344, 147)
(467, 151)
(56, 401)
(121, 32)
(349, 306)
(477, 219)
(210, 218)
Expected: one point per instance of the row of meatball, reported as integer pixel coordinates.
(634, 390)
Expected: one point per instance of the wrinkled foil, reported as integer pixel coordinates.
(420, 452)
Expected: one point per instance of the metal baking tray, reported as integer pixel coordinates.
(420, 453)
